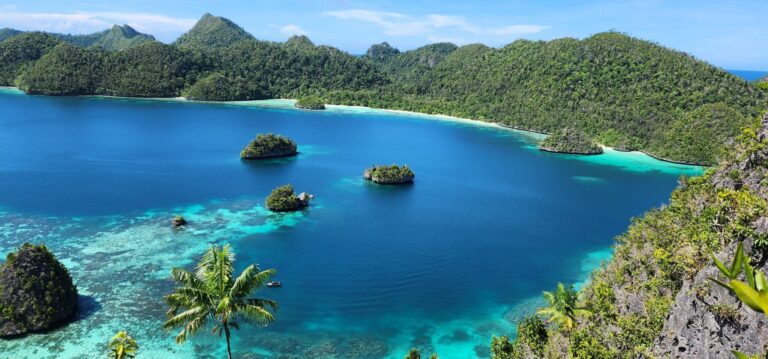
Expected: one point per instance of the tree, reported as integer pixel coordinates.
(502, 348)
(563, 308)
(122, 346)
(212, 297)
(413, 354)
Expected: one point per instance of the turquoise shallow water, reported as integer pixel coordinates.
(369, 271)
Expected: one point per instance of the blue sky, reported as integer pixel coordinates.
(730, 34)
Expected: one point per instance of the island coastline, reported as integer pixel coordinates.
(289, 104)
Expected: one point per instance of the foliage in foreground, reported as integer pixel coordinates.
(562, 307)
(122, 346)
(211, 297)
(753, 292)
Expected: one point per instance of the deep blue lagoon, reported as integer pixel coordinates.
(368, 271)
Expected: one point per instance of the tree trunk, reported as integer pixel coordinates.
(226, 334)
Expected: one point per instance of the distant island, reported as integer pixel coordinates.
(657, 105)
(570, 140)
(310, 103)
(36, 291)
(283, 199)
(393, 174)
(269, 146)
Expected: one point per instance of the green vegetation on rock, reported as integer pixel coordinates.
(269, 146)
(310, 103)
(393, 174)
(570, 140)
(36, 291)
(762, 84)
(631, 296)
(283, 199)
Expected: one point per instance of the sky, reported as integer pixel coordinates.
(729, 34)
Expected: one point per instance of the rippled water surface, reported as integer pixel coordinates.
(368, 271)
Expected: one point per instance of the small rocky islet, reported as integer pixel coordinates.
(36, 292)
(310, 103)
(284, 199)
(571, 141)
(392, 174)
(269, 146)
(178, 221)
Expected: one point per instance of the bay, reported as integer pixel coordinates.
(368, 271)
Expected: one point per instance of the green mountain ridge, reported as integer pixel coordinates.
(114, 39)
(213, 32)
(624, 92)
(6, 33)
(121, 37)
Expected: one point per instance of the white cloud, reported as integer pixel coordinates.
(432, 25)
(292, 30)
(85, 22)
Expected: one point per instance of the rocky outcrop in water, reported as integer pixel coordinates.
(178, 221)
(393, 174)
(36, 292)
(310, 103)
(570, 140)
(283, 199)
(269, 146)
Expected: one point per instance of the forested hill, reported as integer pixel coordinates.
(621, 91)
(625, 92)
(213, 31)
(215, 60)
(116, 38)
(6, 33)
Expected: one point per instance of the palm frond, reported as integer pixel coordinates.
(183, 318)
(249, 280)
(255, 314)
(215, 269)
(264, 303)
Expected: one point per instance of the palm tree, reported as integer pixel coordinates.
(122, 346)
(211, 297)
(563, 308)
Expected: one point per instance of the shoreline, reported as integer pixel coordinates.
(290, 104)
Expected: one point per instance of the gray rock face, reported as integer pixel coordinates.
(304, 198)
(707, 321)
(36, 292)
